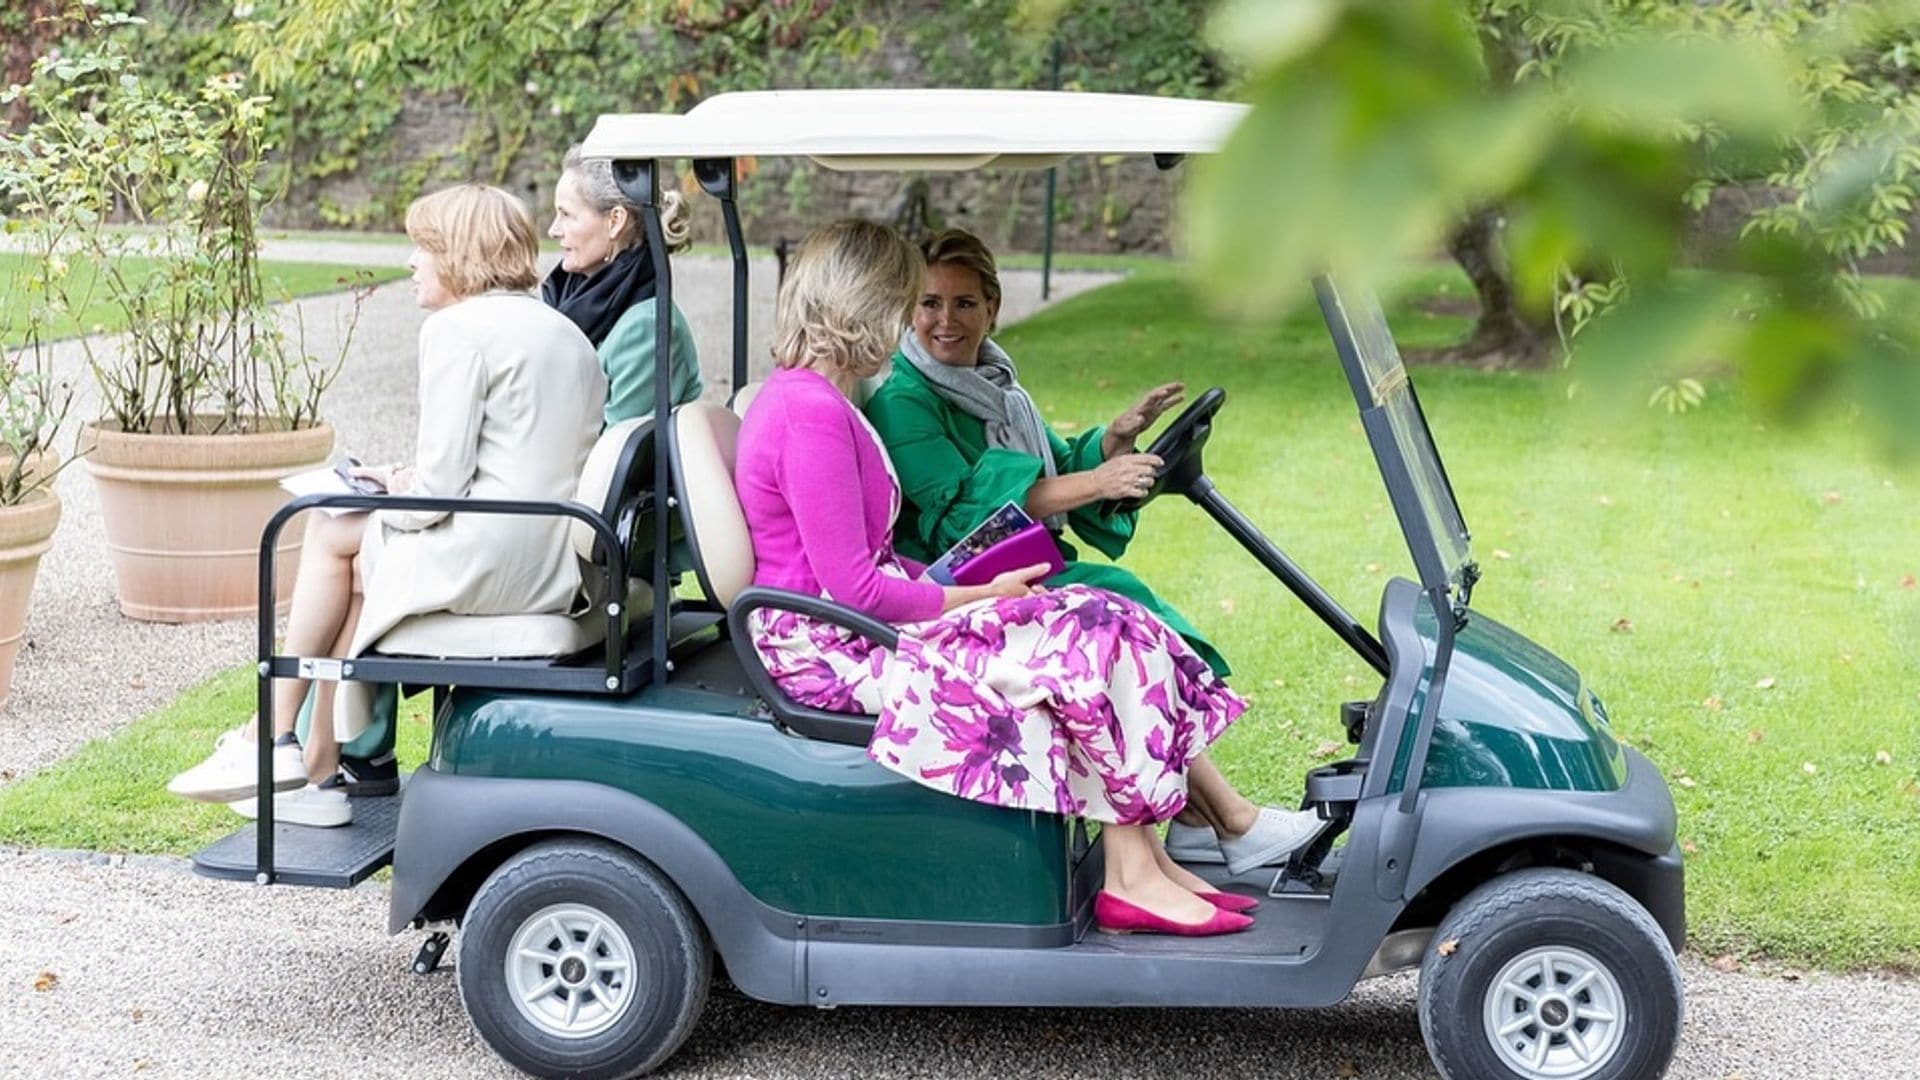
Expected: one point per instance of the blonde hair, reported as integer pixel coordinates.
(481, 236)
(597, 186)
(846, 297)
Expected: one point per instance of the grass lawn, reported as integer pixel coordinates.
(1742, 595)
(282, 279)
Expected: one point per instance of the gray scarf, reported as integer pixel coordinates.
(990, 391)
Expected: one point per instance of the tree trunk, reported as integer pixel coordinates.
(30, 30)
(1504, 336)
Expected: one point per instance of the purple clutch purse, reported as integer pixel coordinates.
(1028, 547)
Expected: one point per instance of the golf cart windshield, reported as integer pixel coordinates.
(1402, 442)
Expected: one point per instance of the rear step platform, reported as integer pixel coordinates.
(319, 858)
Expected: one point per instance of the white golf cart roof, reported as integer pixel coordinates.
(919, 129)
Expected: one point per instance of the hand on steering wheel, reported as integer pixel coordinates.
(1126, 476)
(1176, 452)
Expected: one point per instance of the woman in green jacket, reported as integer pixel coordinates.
(605, 283)
(966, 439)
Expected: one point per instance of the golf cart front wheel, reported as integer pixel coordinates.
(1550, 975)
(579, 959)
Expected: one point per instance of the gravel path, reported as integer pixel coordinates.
(159, 972)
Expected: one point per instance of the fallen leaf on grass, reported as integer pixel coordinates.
(1907, 582)
(1767, 683)
(1373, 568)
(1725, 964)
(1830, 498)
(1448, 947)
(1226, 606)
(1755, 736)
(1603, 500)
(1883, 757)
(1686, 781)
(1622, 625)
(1502, 553)
(1688, 847)
(1713, 703)
(1281, 683)
(1327, 749)
(1809, 768)
(45, 981)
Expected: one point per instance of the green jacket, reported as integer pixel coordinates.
(950, 480)
(627, 357)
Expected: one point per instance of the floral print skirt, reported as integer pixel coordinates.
(1071, 701)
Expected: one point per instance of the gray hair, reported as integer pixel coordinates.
(595, 177)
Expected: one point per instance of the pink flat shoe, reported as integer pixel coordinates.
(1115, 916)
(1227, 901)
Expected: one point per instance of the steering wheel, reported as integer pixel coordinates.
(1178, 448)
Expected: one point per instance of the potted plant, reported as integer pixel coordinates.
(32, 406)
(205, 402)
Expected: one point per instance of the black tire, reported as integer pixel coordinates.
(1574, 923)
(622, 907)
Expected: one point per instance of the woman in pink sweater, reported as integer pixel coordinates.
(1070, 700)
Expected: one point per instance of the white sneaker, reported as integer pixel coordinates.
(1274, 836)
(232, 771)
(322, 808)
(1193, 844)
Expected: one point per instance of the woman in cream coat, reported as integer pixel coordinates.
(511, 395)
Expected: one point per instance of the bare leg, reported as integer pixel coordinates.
(1214, 798)
(322, 749)
(1134, 875)
(1176, 873)
(322, 595)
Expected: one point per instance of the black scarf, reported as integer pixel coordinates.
(595, 302)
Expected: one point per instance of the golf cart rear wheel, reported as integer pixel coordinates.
(578, 959)
(1550, 975)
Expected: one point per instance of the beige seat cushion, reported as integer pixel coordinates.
(445, 635)
(704, 436)
(596, 478)
(744, 397)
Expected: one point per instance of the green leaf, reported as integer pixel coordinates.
(1268, 33)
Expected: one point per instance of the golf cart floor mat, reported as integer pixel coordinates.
(1288, 927)
(338, 858)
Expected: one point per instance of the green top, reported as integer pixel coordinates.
(627, 357)
(950, 479)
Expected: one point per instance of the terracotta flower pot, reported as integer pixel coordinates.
(26, 532)
(183, 515)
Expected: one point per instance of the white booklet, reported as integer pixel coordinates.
(332, 480)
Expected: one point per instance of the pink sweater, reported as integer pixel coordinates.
(819, 500)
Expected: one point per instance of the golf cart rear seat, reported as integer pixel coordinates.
(563, 652)
(703, 437)
(616, 462)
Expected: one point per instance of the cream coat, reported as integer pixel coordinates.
(511, 394)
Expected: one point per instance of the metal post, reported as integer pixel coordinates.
(640, 181)
(717, 177)
(1046, 240)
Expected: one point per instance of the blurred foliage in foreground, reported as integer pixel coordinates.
(1597, 127)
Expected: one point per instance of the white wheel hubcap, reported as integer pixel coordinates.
(570, 971)
(1555, 1013)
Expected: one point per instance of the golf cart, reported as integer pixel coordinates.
(617, 817)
